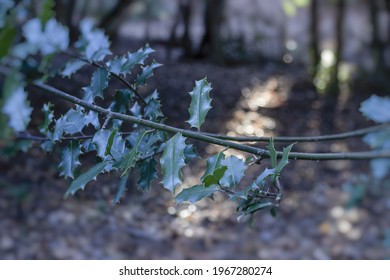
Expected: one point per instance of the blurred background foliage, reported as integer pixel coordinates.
(337, 40)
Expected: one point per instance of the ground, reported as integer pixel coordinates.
(314, 221)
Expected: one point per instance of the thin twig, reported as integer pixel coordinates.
(339, 136)
(209, 139)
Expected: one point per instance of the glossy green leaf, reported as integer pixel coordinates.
(284, 161)
(172, 161)
(72, 67)
(234, 173)
(272, 152)
(80, 182)
(190, 153)
(129, 159)
(122, 99)
(99, 82)
(146, 73)
(200, 103)
(115, 64)
(213, 163)
(256, 207)
(70, 159)
(109, 142)
(195, 193)
(215, 177)
(48, 118)
(135, 58)
(121, 189)
(92, 118)
(260, 180)
(152, 109)
(147, 173)
(71, 123)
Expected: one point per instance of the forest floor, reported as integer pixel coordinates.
(327, 213)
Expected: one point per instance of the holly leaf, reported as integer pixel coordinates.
(80, 182)
(200, 103)
(195, 193)
(129, 160)
(147, 173)
(48, 117)
(122, 99)
(72, 67)
(172, 161)
(70, 159)
(190, 153)
(213, 179)
(135, 58)
(146, 73)
(70, 123)
(260, 180)
(121, 189)
(115, 64)
(108, 142)
(284, 161)
(213, 163)
(272, 153)
(376, 108)
(234, 173)
(99, 82)
(18, 110)
(92, 118)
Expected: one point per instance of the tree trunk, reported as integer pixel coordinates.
(212, 44)
(377, 46)
(314, 48)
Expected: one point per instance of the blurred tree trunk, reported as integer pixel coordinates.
(109, 21)
(212, 43)
(314, 51)
(184, 15)
(339, 40)
(377, 45)
(65, 10)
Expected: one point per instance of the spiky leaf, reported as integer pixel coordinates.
(146, 73)
(234, 173)
(283, 162)
(195, 193)
(48, 118)
(213, 179)
(272, 152)
(190, 153)
(121, 189)
(80, 182)
(72, 67)
(109, 142)
(135, 58)
(99, 82)
(172, 161)
(147, 173)
(260, 180)
(129, 160)
(200, 103)
(213, 163)
(70, 159)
